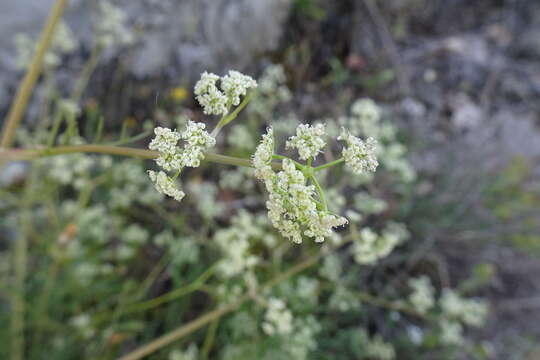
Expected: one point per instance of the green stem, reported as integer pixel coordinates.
(57, 121)
(296, 163)
(20, 258)
(131, 139)
(327, 165)
(86, 73)
(320, 192)
(172, 295)
(30, 154)
(209, 340)
(227, 119)
(226, 309)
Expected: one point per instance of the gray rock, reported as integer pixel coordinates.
(183, 37)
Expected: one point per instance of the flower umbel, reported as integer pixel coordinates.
(218, 102)
(235, 85)
(359, 155)
(165, 185)
(308, 140)
(212, 100)
(292, 205)
(174, 158)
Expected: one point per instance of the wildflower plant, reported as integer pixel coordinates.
(115, 255)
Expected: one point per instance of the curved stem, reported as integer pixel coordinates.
(281, 157)
(320, 192)
(327, 165)
(227, 119)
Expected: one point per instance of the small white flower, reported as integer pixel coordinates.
(359, 155)
(451, 332)
(321, 225)
(63, 42)
(371, 247)
(165, 185)
(291, 205)
(308, 140)
(423, 295)
(470, 311)
(366, 109)
(277, 319)
(197, 141)
(212, 100)
(235, 85)
(165, 142)
(110, 26)
(262, 159)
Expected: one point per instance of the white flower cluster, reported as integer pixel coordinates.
(63, 43)
(262, 158)
(359, 155)
(234, 245)
(166, 185)
(367, 112)
(278, 319)
(302, 341)
(205, 197)
(456, 311)
(272, 90)
(110, 26)
(69, 169)
(216, 101)
(292, 207)
(423, 296)
(370, 247)
(366, 120)
(174, 158)
(451, 332)
(165, 143)
(308, 140)
(470, 311)
(344, 300)
(374, 347)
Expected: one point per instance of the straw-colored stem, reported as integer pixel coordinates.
(30, 154)
(219, 312)
(24, 91)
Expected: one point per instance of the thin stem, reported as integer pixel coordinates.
(172, 295)
(43, 302)
(209, 340)
(320, 192)
(131, 139)
(327, 165)
(390, 305)
(30, 154)
(227, 119)
(20, 258)
(24, 91)
(281, 157)
(57, 121)
(86, 73)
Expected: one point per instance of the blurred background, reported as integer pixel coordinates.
(457, 81)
